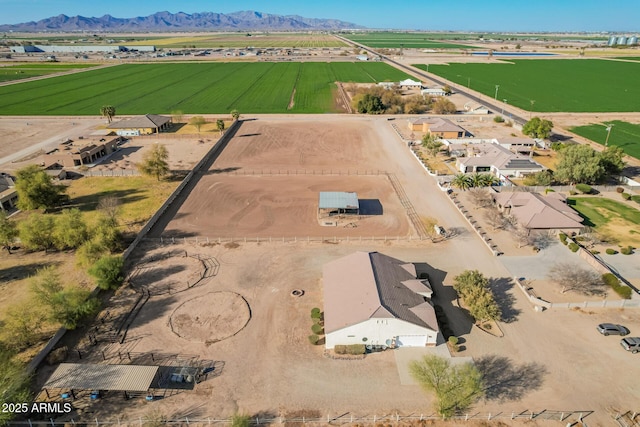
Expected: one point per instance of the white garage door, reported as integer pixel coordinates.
(411, 340)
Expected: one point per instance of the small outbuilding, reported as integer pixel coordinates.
(337, 203)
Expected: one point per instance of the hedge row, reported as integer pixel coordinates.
(611, 280)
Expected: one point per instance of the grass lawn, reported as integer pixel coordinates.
(411, 40)
(617, 220)
(556, 85)
(623, 134)
(193, 88)
(24, 71)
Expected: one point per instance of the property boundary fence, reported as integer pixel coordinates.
(203, 240)
(558, 188)
(408, 206)
(344, 419)
(332, 172)
(108, 172)
(475, 225)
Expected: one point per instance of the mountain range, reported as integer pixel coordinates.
(166, 21)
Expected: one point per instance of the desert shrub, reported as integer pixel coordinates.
(340, 349)
(313, 339)
(626, 196)
(636, 198)
(498, 119)
(316, 328)
(315, 313)
(108, 272)
(610, 251)
(240, 420)
(453, 340)
(627, 250)
(583, 188)
(563, 238)
(610, 280)
(623, 291)
(549, 190)
(595, 252)
(573, 247)
(572, 193)
(620, 189)
(356, 349)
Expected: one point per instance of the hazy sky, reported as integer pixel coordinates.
(481, 15)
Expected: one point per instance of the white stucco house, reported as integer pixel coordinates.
(374, 299)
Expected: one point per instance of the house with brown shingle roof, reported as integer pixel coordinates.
(374, 299)
(496, 159)
(537, 212)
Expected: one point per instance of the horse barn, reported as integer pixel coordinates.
(132, 380)
(337, 203)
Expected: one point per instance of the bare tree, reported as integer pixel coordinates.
(496, 220)
(522, 236)
(577, 279)
(480, 197)
(109, 206)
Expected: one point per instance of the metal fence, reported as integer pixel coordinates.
(335, 172)
(344, 419)
(108, 172)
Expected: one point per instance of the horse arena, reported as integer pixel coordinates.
(266, 183)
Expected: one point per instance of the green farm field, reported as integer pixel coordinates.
(623, 134)
(263, 87)
(25, 71)
(409, 40)
(556, 85)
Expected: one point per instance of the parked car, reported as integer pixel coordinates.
(631, 344)
(611, 329)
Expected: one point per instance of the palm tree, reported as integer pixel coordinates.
(477, 180)
(461, 181)
(220, 125)
(235, 114)
(108, 111)
(489, 180)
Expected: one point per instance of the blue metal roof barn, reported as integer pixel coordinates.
(338, 200)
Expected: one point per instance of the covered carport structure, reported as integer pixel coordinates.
(81, 376)
(337, 203)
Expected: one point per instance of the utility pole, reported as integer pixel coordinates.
(496, 95)
(532, 101)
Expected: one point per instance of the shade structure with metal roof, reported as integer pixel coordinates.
(338, 200)
(80, 376)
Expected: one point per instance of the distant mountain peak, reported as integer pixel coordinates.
(181, 21)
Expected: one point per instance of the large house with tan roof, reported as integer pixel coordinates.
(495, 159)
(534, 211)
(143, 125)
(374, 299)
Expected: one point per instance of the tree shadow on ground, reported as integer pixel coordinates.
(502, 288)
(90, 201)
(506, 381)
(20, 272)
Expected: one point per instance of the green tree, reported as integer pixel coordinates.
(370, 104)
(108, 111)
(14, 383)
(65, 306)
(36, 189)
(235, 114)
(444, 106)
(611, 159)
(468, 280)
(473, 287)
(431, 144)
(22, 325)
(447, 90)
(220, 125)
(197, 122)
(154, 162)
(456, 387)
(578, 163)
(538, 128)
(8, 232)
(544, 178)
(108, 272)
(36, 232)
(70, 230)
(461, 181)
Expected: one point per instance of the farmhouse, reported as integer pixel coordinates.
(144, 125)
(537, 212)
(69, 154)
(410, 84)
(438, 127)
(494, 158)
(373, 299)
(8, 193)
